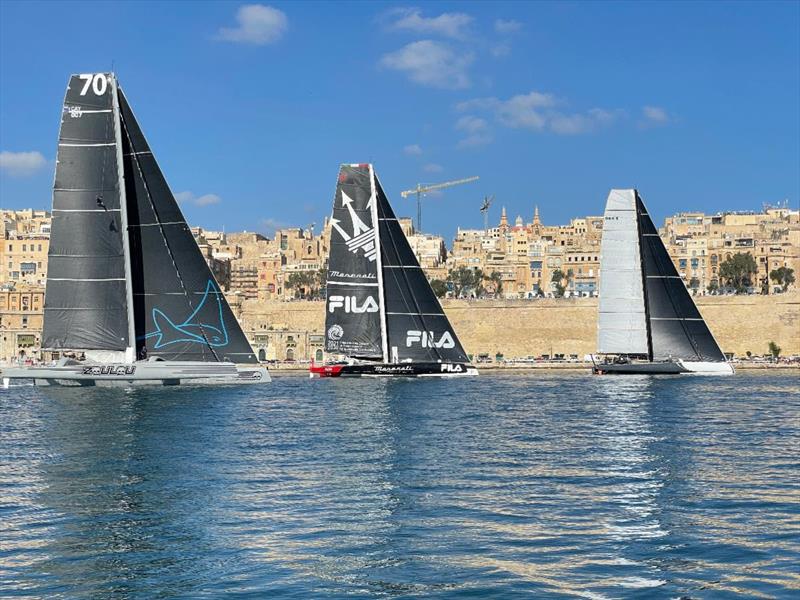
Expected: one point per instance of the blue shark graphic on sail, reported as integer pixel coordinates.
(363, 236)
(190, 330)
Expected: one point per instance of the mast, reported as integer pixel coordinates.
(130, 351)
(381, 301)
(640, 241)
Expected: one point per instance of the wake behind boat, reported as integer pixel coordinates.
(381, 312)
(648, 322)
(127, 286)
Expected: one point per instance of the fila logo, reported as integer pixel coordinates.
(451, 368)
(427, 339)
(350, 304)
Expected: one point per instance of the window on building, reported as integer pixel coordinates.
(24, 248)
(27, 267)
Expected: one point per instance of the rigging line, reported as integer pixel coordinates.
(163, 235)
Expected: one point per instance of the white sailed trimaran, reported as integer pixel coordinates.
(648, 322)
(127, 286)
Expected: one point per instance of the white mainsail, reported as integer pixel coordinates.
(622, 323)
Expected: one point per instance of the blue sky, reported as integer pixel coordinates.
(251, 108)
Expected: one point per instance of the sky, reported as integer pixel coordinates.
(250, 108)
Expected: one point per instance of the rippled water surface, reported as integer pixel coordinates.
(502, 486)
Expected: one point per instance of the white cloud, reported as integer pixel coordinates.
(500, 50)
(431, 63)
(204, 200)
(536, 111)
(270, 226)
(507, 26)
(655, 115)
(257, 24)
(413, 150)
(453, 25)
(477, 130)
(21, 164)
(433, 168)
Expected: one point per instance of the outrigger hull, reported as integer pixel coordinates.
(664, 368)
(138, 373)
(417, 369)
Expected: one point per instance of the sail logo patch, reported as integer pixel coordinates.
(350, 304)
(335, 332)
(192, 329)
(363, 236)
(428, 339)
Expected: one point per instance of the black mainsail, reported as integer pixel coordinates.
(380, 305)
(125, 273)
(645, 309)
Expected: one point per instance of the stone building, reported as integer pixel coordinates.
(21, 317)
(25, 236)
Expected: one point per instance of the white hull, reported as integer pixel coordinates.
(139, 373)
(707, 368)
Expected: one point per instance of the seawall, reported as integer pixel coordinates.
(519, 328)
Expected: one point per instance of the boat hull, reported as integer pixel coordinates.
(139, 373)
(420, 369)
(664, 368)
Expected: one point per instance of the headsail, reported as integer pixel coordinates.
(353, 316)
(677, 329)
(86, 302)
(416, 326)
(622, 322)
(179, 310)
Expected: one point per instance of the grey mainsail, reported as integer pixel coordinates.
(86, 302)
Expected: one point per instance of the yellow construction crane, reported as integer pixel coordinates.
(423, 189)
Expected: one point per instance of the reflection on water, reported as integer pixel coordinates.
(600, 487)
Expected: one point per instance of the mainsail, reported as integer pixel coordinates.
(645, 308)
(379, 305)
(86, 301)
(118, 224)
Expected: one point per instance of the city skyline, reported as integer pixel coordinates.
(254, 104)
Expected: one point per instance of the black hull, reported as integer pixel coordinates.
(654, 368)
(444, 369)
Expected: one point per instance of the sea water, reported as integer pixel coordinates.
(501, 486)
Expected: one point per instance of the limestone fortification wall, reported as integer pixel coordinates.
(518, 328)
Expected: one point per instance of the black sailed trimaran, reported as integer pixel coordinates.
(381, 312)
(648, 322)
(127, 286)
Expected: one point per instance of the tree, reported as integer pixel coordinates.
(712, 287)
(738, 270)
(783, 276)
(303, 283)
(694, 284)
(774, 349)
(556, 278)
(439, 287)
(464, 280)
(321, 281)
(497, 279)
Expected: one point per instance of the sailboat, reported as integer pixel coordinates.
(381, 313)
(648, 322)
(128, 290)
